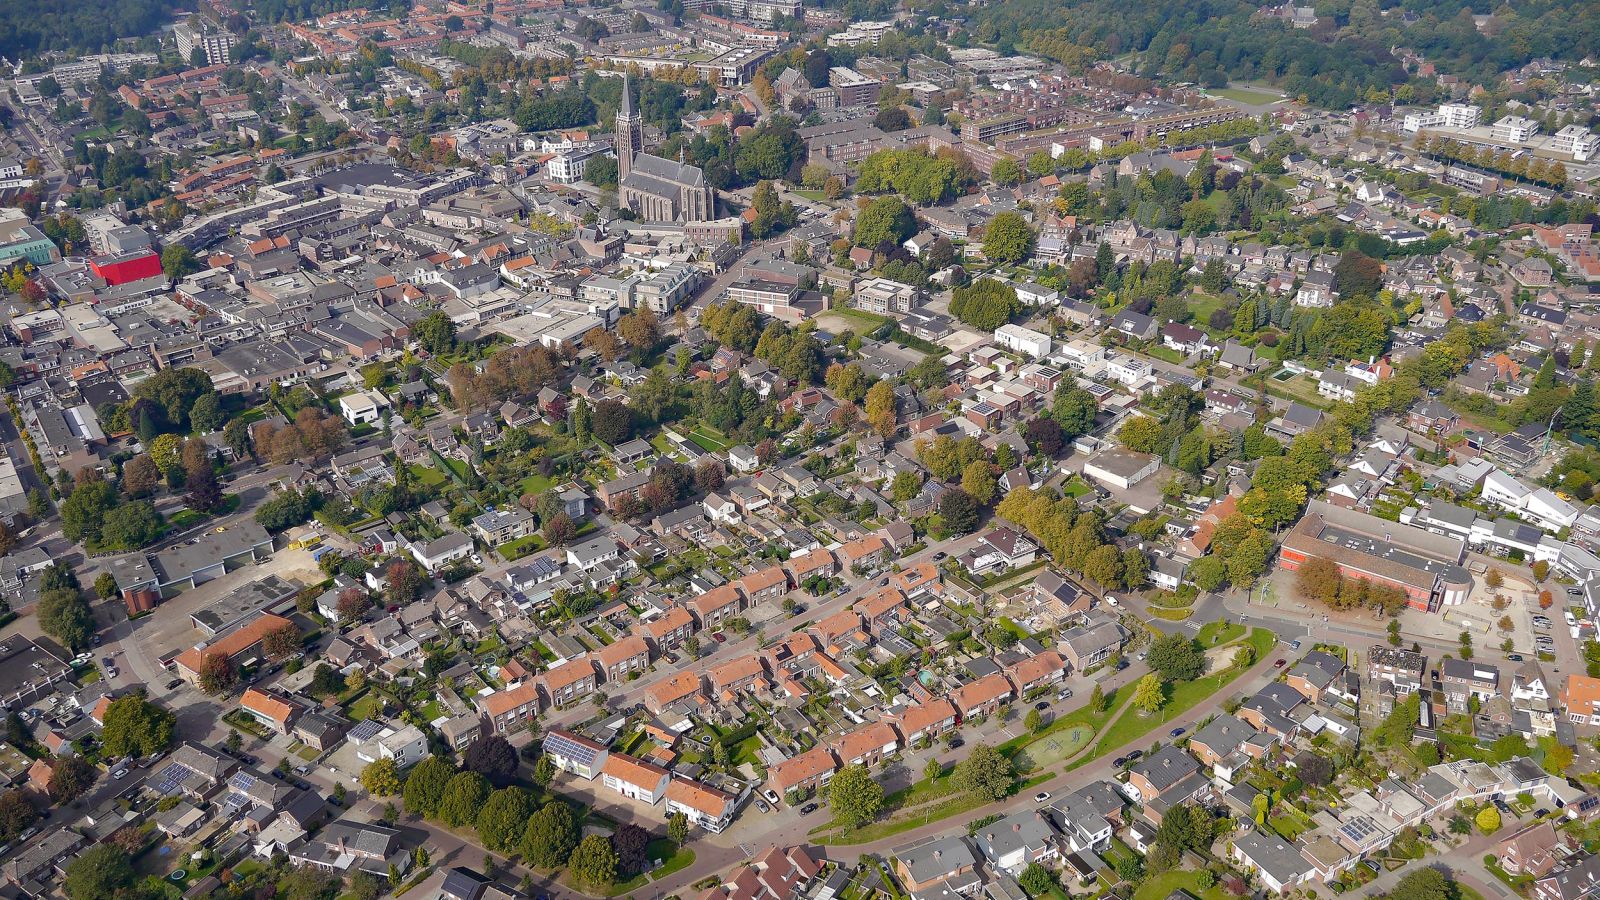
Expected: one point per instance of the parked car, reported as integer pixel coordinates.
(1065, 694)
(956, 742)
(1176, 732)
(1119, 762)
(1112, 601)
(1042, 704)
(1041, 797)
(940, 555)
(1294, 645)
(1278, 664)
(808, 809)
(762, 805)
(1515, 657)
(174, 684)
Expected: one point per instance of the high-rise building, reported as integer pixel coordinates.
(217, 45)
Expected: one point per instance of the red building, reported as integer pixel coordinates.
(126, 267)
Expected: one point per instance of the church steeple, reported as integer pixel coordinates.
(630, 131)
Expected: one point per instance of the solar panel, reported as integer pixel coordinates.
(561, 745)
(170, 777)
(366, 730)
(242, 781)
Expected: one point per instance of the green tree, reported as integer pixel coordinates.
(1006, 172)
(984, 772)
(1032, 720)
(551, 835)
(1037, 880)
(101, 872)
(594, 862)
(677, 828)
(381, 778)
(1176, 657)
(136, 727)
(854, 797)
(959, 511)
(178, 261)
(1148, 694)
(426, 784)
(504, 817)
(463, 798)
(884, 219)
(1009, 239)
(978, 480)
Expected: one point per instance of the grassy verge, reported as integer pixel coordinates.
(1171, 615)
(1023, 750)
(957, 804)
(1174, 881)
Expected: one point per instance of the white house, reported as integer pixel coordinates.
(721, 510)
(404, 745)
(702, 805)
(743, 459)
(1021, 340)
(634, 778)
(1498, 487)
(1131, 371)
(1035, 294)
(575, 754)
(362, 407)
(436, 554)
(1121, 468)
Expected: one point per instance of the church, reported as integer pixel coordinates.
(656, 189)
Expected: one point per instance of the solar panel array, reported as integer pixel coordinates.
(366, 730)
(168, 779)
(562, 745)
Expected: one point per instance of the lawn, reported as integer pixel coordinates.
(428, 476)
(672, 860)
(811, 195)
(1219, 632)
(1203, 305)
(955, 804)
(432, 710)
(1166, 354)
(458, 467)
(1060, 739)
(1241, 95)
(1075, 487)
(535, 484)
(1289, 822)
(520, 547)
(364, 707)
(867, 321)
(1300, 387)
(706, 439)
(1162, 886)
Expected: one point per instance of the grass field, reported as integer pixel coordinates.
(861, 320)
(1075, 487)
(1203, 305)
(1219, 632)
(535, 485)
(428, 476)
(1300, 387)
(708, 439)
(1242, 95)
(1162, 886)
(1060, 739)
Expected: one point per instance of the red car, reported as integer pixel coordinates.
(1278, 664)
(718, 636)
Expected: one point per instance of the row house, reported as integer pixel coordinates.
(805, 772)
(673, 689)
(634, 778)
(512, 709)
(767, 584)
(1038, 671)
(570, 682)
(627, 657)
(927, 721)
(737, 676)
(704, 806)
(982, 697)
(716, 606)
(669, 630)
(574, 753)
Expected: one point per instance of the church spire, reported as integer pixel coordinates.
(629, 138)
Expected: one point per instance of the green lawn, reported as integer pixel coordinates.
(1160, 887)
(1219, 632)
(867, 321)
(457, 466)
(1300, 387)
(1075, 487)
(535, 485)
(1060, 739)
(705, 438)
(811, 195)
(428, 476)
(1241, 95)
(1166, 354)
(1203, 305)
(367, 706)
(1289, 822)
(521, 547)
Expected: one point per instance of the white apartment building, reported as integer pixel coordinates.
(1515, 129)
(1580, 142)
(1450, 115)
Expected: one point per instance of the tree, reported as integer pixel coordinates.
(65, 615)
(405, 581)
(984, 772)
(139, 476)
(881, 414)
(551, 835)
(435, 333)
(594, 862)
(463, 798)
(70, 776)
(1103, 565)
(1318, 578)
(425, 786)
(632, 844)
(1006, 172)
(177, 261)
(493, 757)
(99, 873)
(1423, 883)
(217, 673)
(1032, 720)
(1487, 819)
(1357, 275)
(282, 642)
(1176, 657)
(959, 511)
(136, 727)
(1097, 699)
(16, 814)
(1044, 434)
(1494, 579)
(854, 797)
(1314, 770)
(381, 778)
(1009, 239)
(884, 219)
(612, 422)
(677, 826)
(978, 480)
(1037, 880)
(544, 771)
(504, 817)
(1148, 694)
(985, 304)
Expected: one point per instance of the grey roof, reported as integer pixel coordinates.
(1272, 854)
(1223, 733)
(936, 859)
(1166, 767)
(1028, 828)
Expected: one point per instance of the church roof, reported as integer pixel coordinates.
(658, 171)
(627, 96)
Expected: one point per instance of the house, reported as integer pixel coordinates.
(948, 862)
(405, 745)
(1581, 698)
(513, 708)
(1316, 674)
(345, 847)
(1158, 773)
(504, 524)
(634, 778)
(999, 549)
(737, 675)
(1015, 841)
(716, 606)
(441, 552)
(1465, 679)
(624, 658)
(669, 630)
(1037, 671)
(673, 689)
(271, 710)
(927, 721)
(1532, 851)
(1221, 736)
(1279, 865)
(1184, 338)
(702, 805)
(1087, 647)
(1121, 468)
(569, 682)
(981, 697)
(868, 745)
(804, 772)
